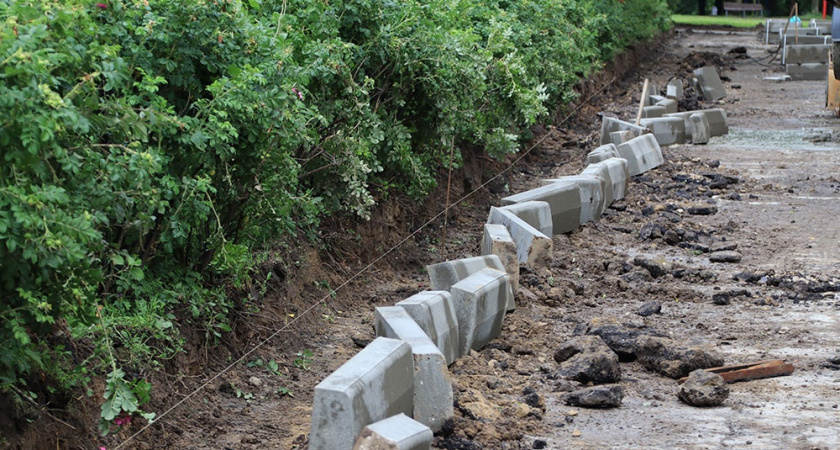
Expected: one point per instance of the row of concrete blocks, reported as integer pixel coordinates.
(520, 230)
(405, 369)
(670, 128)
(774, 29)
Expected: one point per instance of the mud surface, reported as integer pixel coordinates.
(773, 183)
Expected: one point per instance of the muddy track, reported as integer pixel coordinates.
(773, 183)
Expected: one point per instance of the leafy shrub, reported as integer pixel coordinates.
(152, 148)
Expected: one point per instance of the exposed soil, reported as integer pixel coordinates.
(775, 193)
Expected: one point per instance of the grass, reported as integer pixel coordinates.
(733, 20)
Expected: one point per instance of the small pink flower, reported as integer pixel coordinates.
(102, 448)
(299, 94)
(102, 6)
(123, 420)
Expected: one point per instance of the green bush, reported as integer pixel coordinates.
(152, 148)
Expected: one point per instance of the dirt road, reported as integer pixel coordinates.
(778, 205)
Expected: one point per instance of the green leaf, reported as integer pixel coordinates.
(117, 260)
(137, 273)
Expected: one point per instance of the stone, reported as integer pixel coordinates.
(710, 84)
(474, 405)
(434, 313)
(534, 213)
(807, 72)
(699, 128)
(653, 111)
(725, 257)
(611, 124)
(588, 359)
(533, 248)
(620, 137)
(446, 274)
(480, 305)
(432, 384)
(399, 432)
(616, 174)
(671, 106)
(675, 86)
(702, 210)
(642, 154)
(703, 388)
(656, 269)
(596, 397)
(666, 130)
(665, 356)
(591, 195)
(650, 308)
(375, 384)
(602, 153)
(498, 241)
(564, 200)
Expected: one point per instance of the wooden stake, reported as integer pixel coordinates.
(643, 101)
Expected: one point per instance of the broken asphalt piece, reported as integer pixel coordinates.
(588, 358)
(752, 371)
(725, 257)
(596, 397)
(649, 309)
(702, 210)
(721, 298)
(619, 338)
(703, 388)
(723, 246)
(665, 356)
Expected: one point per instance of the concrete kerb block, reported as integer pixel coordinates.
(533, 248)
(591, 195)
(620, 137)
(498, 241)
(605, 151)
(562, 198)
(653, 111)
(434, 312)
(432, 383)
(675, 88)
(534, 213)
(611, 124)
(656, 98)
(671, 106)
(710, 84)
(810, 71)
(399, 432)
(480, 304)
(804, 54)
(718, 125)
(375, 384)
(616, 174)
(642, 154)
(700, 128)
(446, 274)
(666, 130)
